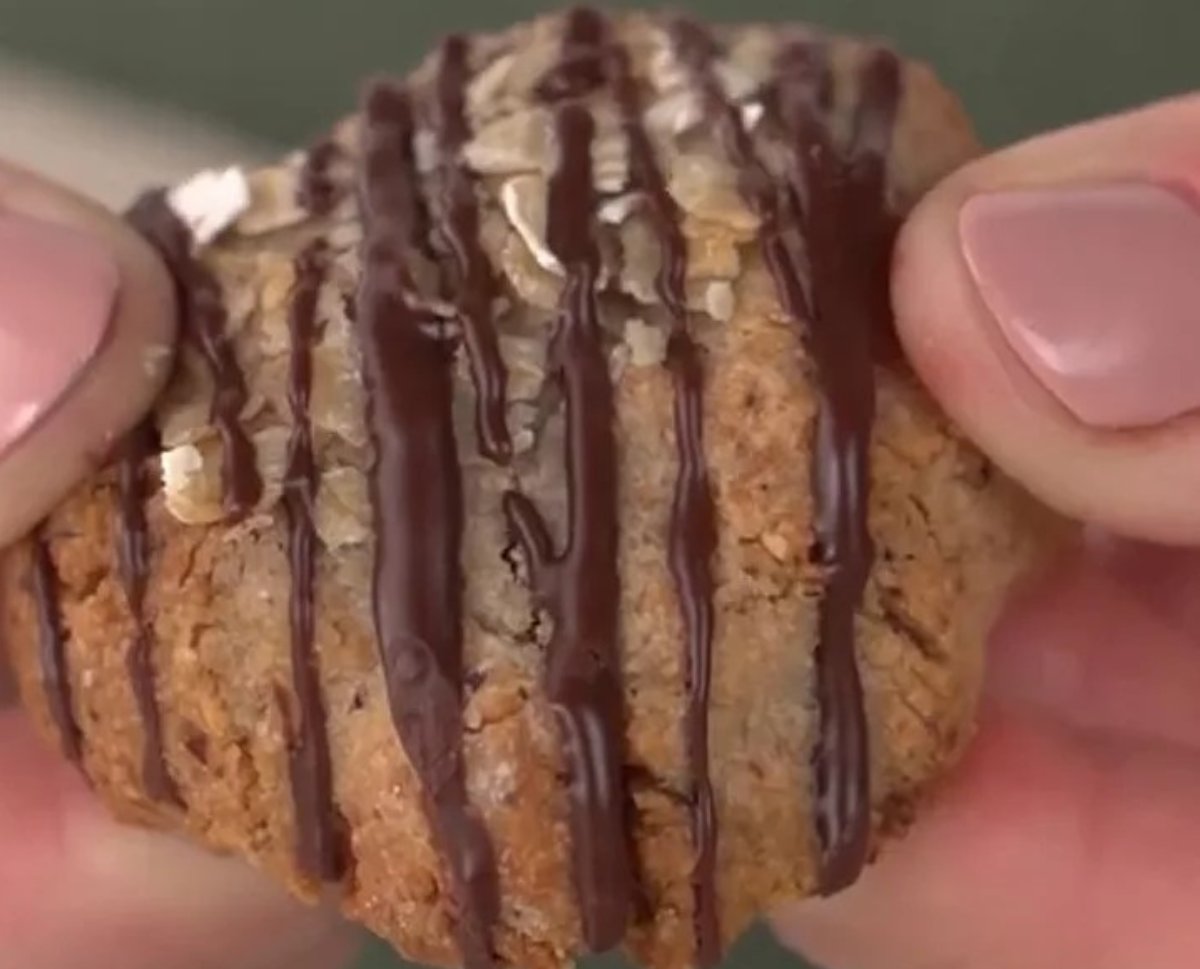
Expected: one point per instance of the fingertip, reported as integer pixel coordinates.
(1044, 296)
(87, 323)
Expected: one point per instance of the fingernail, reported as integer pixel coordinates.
(1097, 290)
(58, 289)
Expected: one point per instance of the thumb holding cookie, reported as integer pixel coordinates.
(1048, 296)
(87, 325)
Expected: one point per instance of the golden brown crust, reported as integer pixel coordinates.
(949, 533)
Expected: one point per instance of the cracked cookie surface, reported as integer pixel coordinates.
(541, 540)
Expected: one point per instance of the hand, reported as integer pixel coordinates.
(87, 321)
(1049, 296)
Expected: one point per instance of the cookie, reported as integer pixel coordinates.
(542, 546)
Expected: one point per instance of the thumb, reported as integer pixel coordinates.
(1049, 297)
(87, 322)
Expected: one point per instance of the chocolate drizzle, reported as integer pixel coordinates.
(693, 530)
(203, 316)
(52, 651)
(850, 303)
(133, 559)
(580, 587)
(416, 493)
(242, 485)
(470, 274)
(826, 238)
(204, 324)
(582, 65)
(881, 88)
(318, 850)
(316, 189)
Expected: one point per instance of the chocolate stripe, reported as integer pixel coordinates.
(133, 559)
(581, 67)
(317, 191)
(199, 299)
(849, 246)
(317, 847)
(693, 529)
(821, 235)
(52, 651)
(580, 587)
(845, 412)
(204, 324)
(207, 321)
(881, 90)
(416, 492)
(470, 275)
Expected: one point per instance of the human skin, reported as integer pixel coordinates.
(1067, 836)
(76, 888)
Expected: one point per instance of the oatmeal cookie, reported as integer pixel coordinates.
(542, 546)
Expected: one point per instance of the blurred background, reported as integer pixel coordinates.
(112, 95)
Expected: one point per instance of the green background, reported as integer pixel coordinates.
(280, 69)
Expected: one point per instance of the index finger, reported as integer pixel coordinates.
(1052, 847)
(78, 889)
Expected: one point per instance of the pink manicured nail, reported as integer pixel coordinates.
(1097, 290)
(58, 288)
